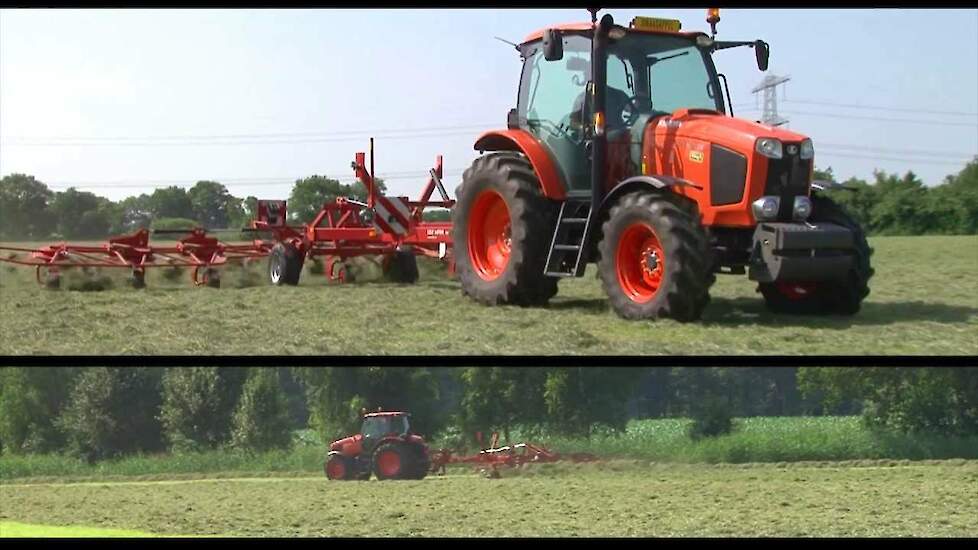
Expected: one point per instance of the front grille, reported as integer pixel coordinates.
(787, 177)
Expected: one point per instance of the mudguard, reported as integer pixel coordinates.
(642, 182)
(551, 181)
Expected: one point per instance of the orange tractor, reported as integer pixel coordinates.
(622, 152)
(385, 447)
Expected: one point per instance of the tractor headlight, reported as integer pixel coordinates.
(807, 150)
(766, 208)
(769, 147)
(802, 208)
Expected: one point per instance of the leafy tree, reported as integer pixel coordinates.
(213, 206)
(261, 418)
(24, 208)
(114, 411)
(30, 399)
(335, 396)
(910, 399)
(198, 403)
(171, 202)
(83, 215)
(309, 195)
(499, 398)
(577, 398)
(136, 213)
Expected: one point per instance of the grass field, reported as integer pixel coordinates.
(615, 499)
(924, 300)
(756, 440)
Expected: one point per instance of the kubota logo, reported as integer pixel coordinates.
(696, 156)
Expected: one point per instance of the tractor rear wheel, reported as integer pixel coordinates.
(339, 468)
(502, 226)
(392, 461)
(842, 297)
(284, 265)
(654, 260)
(401, 267)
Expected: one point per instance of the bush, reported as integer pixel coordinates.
(711, 418)
(261, 419)
(174, 223)
(114, 411)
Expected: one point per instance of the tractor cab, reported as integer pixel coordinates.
(380, 425)
(651, 69)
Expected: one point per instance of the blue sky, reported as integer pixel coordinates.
(119, 101)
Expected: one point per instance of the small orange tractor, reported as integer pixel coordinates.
(622, 152)
(385, 447)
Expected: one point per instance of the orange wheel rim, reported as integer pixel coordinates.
(389, 463)
(489, 241)
(640, 262)
(335, 469)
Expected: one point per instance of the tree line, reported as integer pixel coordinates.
(102, 412)
(29, 210)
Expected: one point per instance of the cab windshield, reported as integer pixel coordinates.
(663, 73)
(379, 426)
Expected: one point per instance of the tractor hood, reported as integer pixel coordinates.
(347, 442)
(710, 126)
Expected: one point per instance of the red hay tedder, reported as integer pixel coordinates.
(391, 227)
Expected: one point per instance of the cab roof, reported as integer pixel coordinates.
(585, 26)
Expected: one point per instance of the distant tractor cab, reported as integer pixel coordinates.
(385, 447)
(622, 151)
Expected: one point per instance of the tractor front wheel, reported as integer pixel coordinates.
(339, 468)
(502, 226)
(654, 260)
(843, 297)
(284, 265)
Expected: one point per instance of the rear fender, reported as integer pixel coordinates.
(551, 182)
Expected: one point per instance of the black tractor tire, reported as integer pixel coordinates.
(532, 219)
(401, 267)
(421, 465)
(138, 279)
(405, 458)
(339, 468)
(684, 273)
(284, 265)
(843, 297)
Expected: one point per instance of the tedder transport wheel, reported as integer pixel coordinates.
(654, 260)
(401, 267)
(392, 461)
(339, 468)
(284, 265)
(502, 227)
(827, 297)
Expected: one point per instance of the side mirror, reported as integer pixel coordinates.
(512, 119)
(762, 51)
(553, 45)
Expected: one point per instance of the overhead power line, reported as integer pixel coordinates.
(880, 108)
(255, 135)
(879, 119)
